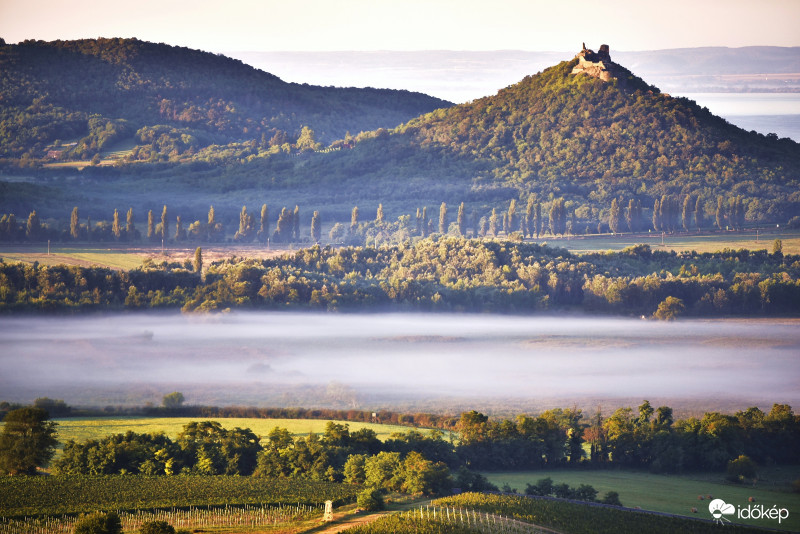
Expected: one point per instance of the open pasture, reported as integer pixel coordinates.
(675, 494)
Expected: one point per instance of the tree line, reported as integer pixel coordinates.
(433, 274)
(646, 437)
(556, 217)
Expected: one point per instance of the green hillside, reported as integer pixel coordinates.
(90, 94)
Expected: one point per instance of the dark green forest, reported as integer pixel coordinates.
(433, 274)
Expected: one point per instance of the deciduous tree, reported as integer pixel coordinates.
(28, 441)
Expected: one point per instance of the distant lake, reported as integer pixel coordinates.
(373, 360)
(765, 113)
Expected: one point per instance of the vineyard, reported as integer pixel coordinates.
(447, 520)
(263, 517)
(22, 496)
(574, 518)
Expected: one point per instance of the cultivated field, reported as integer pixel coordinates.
(83, 428)
(675, 494)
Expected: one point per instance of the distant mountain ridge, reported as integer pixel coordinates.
(465, 75)
(104, 90)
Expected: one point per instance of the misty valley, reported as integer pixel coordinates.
(433, 362)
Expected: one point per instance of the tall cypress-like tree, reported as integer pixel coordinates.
(720, 213)
(630, 213)
(686, 212)
(529, 221)
(151, 232)
(198, 260)
(296, 223)
(283, 230)
(657, 215)
(316, 227)
(74, 224)
(116, 229)
(180, 234)
(494, 223)
(354, 219)
(699, 218)
(245, 231)
(164, 223)
(130, 227)
(615, 217)
(379, 215)
(461, 220)
(443, 218)
(34, 228)
(424, 221)
(512, 216)
(263, 229)
(537, 219)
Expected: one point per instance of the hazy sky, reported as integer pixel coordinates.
(536, 25)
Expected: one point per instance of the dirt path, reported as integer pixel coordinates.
(342, 522)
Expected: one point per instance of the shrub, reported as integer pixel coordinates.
(157, 527)
(370, 499)
(99, 523)
(742, 469)
(611, 497)
(669, 309)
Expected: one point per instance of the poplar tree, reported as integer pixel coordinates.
(34, 227)
(354, 219)
(615, 217)
(494, 223)
(537, 219)
(150, 225)
(198, 260)
(657, 215)
(164, 223)
(630, 215)
(419, 221)
(686, 213)
(698, 213)
(424, 221)
(263, 230)
(512, 215)
(316, 228)
(296, 223)
(179, 233)
(88, 228)
(720, 214)
(74, 224)
(211, 225)
(379, 215)
(283, 230)
(116, 230)
(130, 227)
(245, 231)
(461, 220)
(529, 216)
(443, 218)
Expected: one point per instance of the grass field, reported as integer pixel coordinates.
(675, 494)
(80, 428)
(684, 242)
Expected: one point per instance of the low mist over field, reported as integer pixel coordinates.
(375, 360)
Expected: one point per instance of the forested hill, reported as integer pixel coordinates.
(589, 140)
(101, 91)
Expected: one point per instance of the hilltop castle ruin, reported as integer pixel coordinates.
(596, 64)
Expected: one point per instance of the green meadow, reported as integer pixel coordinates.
(675, 494)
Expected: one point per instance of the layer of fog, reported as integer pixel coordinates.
(244, 358)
